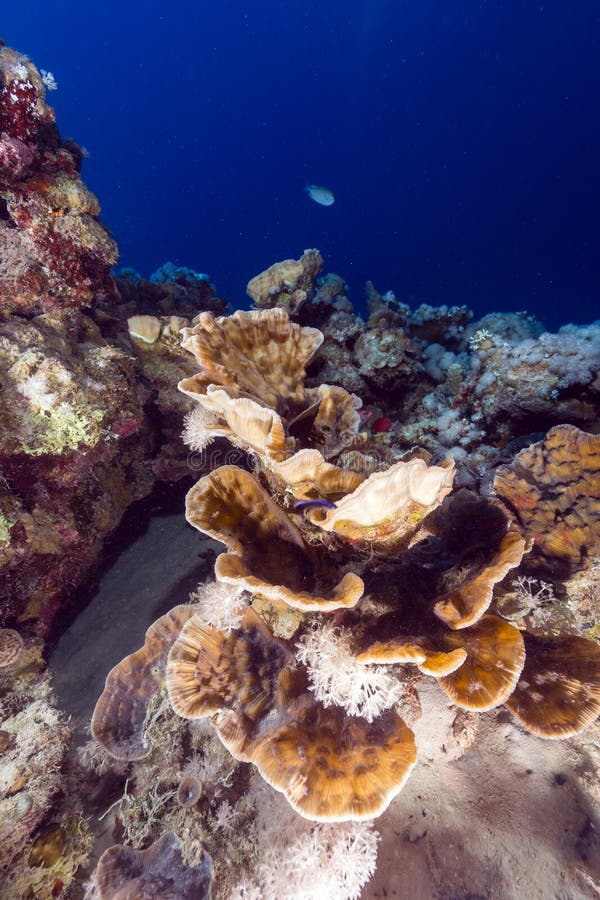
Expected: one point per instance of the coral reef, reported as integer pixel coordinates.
(451, 385)
(169, 291)
(73, 456)
(43, 836)
(383, 570)
(409, 506)
(552, 489)
(90, 411)
(54, 252)
(287, 284)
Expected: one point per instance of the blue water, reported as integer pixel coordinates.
(461, 139)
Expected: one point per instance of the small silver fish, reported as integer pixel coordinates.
(321, 195)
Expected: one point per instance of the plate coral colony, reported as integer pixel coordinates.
(405, 499)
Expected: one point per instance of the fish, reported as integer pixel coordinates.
(309, 504)
(321, 195)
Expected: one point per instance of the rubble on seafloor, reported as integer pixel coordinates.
(407, 496)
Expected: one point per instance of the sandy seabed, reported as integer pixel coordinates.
(511, 817)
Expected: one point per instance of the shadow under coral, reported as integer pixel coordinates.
(154, 559)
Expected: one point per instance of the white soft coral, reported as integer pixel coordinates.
(337, 678)
(301, 860)
(220, 605)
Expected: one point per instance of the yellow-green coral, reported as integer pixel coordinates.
(61, 429)
(5, 526)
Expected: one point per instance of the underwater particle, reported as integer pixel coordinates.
(11, 646)
(189, 791)
(49, 846)
(321, 195)
(158, 871)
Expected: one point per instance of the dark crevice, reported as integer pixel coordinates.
(166, 499)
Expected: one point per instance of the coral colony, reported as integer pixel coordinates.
(406, 498)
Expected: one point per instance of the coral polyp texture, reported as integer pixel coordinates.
(552, 489)
(54, 252)
(345, 576)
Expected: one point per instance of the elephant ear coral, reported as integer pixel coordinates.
(288, 283)
(123, 873)
(398, 651)
(384, 514)
(464, 604)
(261, 353)
(477, 667)
(558, 694)
(267, 554)
(251, 387)
(330, 766)
(337, 421)
(245, 422)
(552, 490)
(120, 713)
(495, 657)
(308, 476)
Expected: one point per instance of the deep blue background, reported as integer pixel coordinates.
(461, 139)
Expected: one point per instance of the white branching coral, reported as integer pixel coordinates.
(532, 592)
(337, 678)
(327, 862)
(93, 757)
(224, 818)
(49, 80)
(332, 862)
(35, 388)
(215, 773)
(220, 605)
(301, 860)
